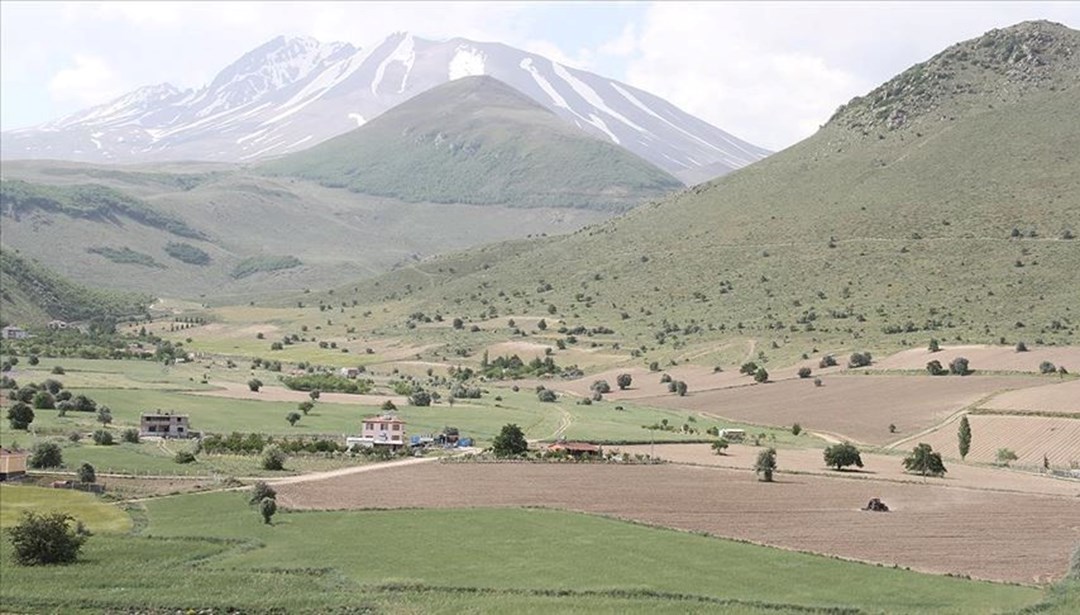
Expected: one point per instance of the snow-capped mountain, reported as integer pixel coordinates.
(292, 93)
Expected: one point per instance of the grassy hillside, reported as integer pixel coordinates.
(32, 294)
(476, 140)
(337, 235)
(956, 225)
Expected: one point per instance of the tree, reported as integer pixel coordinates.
(46, 455)
(20, 415)
(1004, 456)
(86, 473)
(305, 407)
(184, 457)
(420, 398)
(255, 384)
(760, 375)
(33, 360)
(510, 442)
(267, 508)
(546, 395)
(261, 490)
(1021, 347)
(47, 538)
(103, 437)
(796, 429)
(804, 372)
(842, 455)
(315, 394)
(934, 368)
(601, 386)
(43, 400)
(720, 446)
(104, 415)
(748, 368)
(680, 388)
(292, 417)
(1046, 367)
(934, 345)
(827, 361)
(388, 406)
(273, 458)
(959, 366)
(624, 381)
(963, 435)
(458, 323)
(859, 359)
(542, 325)
(923, 460)
(130, 435)
(766, 464)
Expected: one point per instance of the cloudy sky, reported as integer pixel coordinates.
(770, 73)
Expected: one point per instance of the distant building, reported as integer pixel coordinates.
(733, 435)
(350, 372)
(164, 425)
(12, 464)
(386, 430)
(576, 449)
(12, 332)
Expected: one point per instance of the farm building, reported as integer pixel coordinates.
(733, 435)
(350, 372)
(164, 425)
(576, 449)
(12, 332)
(12, 464)
(386, 430)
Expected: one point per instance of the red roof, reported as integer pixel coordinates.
(385, 419)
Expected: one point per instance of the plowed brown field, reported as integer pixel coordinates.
(1030, 437)
(1056, 397)
(859, 407)
(990, 535)
(988, 358)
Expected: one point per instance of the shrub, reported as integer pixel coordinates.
(184, 457)
(748, 368)
(600, 386)
(388, 406)
(47, 538)
(103, 437)
(720, 446)
(934, 368)
(934, 346)
(292, 417)
(267, 508)
(546, 395)
(43, 400)
(420, 398)
(46, 455)
(959, 366)
(804, 372)
(859, 359)
(624, 381)
(817, 382)
(20, 415)
(255, 384)
(665, 378)
(273, 458)
(130, 435)
(58, 370)
(305, 407)
(1047, 367)
(680, 388)
(827, 361)
(796, 429)
(1004, 456)
(1021, 347)
(761, 375)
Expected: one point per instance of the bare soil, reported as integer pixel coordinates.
(988, 358)
(234, 390)
(991, 535)
(858, 407)
(1030, 437)
(1062, 396)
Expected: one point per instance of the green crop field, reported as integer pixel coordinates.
(213, 550)
(96, 514)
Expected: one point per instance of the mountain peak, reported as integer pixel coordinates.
(998, 67)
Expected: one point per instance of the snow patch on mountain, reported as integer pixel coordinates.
(405, 53)
(590, 96)
(467, 62)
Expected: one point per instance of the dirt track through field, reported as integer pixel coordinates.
(992, 535)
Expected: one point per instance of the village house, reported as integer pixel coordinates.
(12, 464)
(385, 430)
(164, 425)
(11, 332)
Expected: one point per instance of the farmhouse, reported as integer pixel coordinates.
(12, 464)
(12, 332)
(386, 430)
(164, 425)
(576, 449)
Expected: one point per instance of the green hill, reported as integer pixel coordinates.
(478, 141)
(32, 294)
(953, 223)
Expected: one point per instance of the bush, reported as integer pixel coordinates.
(748, 368)
(103, 437)
(255, 384)
(934, 368)
(58, 370)
(259, 491)
(804, 372)
(1004, 456)
(796, 429)
(420, 398)
(766, 464)
(546, 395)
(273, 458)
(680, 388)
(47, 538)
(86, 473)
(1021, 347)
(601, 386)
(624, 381)
(43, 400)
(827, 361)
(184, 457)
(130, 435)
(1047, 367)
(292, 417)
(934, 346)
(46, 455)
(20, 415)
(959, 366)
(859, 359)
(267, 508)
(761, 375)
(719, 446)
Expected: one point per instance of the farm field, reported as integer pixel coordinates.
(1009, 537)
(859, 407)
(91, 510)
(876, 467)
(986, 358)
(1030, 437)
(1054, 397)
(308, 562)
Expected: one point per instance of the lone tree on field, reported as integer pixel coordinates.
(766, 464)
(420, 398)
(315, 394)
(255, 384)
(680, 388)
(260, 491)
(86, 473)
(624, 381)
(760, 375)
(47, 538)
(934, 368)
(267, 508)
(292, 417)
(720, 446)
(305, 407)
(923, 460)
(959, 366)
(963, 436)
(1004, 456)
(273, 458)
(46, 455)
(510, 442)
(104, 415)
(601, 386)
(934, 346)
(842, 455)
(20, 415)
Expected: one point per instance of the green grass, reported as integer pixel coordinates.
(97, 515)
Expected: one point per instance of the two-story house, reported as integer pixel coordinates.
(384, 430)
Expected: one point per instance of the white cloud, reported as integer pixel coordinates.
(623, 45)
(89, 82)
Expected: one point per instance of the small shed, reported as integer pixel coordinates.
(11, 332)
(12, 464)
